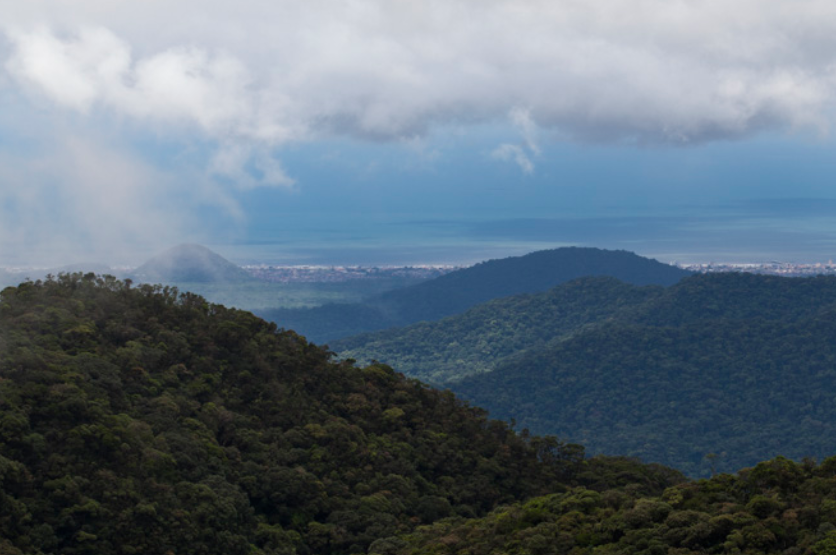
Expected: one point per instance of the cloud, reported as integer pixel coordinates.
(111, 195)
(528, 129)
(73, 192)
(179, 85)
(79, 199)
(248, 167)
(515, 153)
(230, 87)
(647, 71)
(521, 120)
(72, 73)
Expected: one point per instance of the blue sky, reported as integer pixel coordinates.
(402, 132)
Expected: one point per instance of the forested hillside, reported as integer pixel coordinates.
(457, 291)
(739, 366)
(138, 420)
(778, 507)
(486, 335)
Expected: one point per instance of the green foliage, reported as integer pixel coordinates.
(715, 373)
(727, 514)
(495, 332)
(457, 291)
(141, 420)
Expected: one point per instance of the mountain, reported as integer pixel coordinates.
(488, 334)
(457, 291)
(738, 365)
(190, 263)
(134, 419)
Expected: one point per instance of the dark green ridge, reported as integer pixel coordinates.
(134, 419)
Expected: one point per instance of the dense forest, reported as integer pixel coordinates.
(494, 332)
(735, 365)
(135, 419)
(457, 291)
(777, 507)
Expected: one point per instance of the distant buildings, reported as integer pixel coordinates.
(338, 274)
(787, 269)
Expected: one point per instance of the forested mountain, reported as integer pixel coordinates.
(777, 507)
(486, 335)
(139, 420)
(737, 365)
(190, 263)
(457, 291)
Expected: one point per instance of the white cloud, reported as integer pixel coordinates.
(180, 84)
(515, 153)
(528, 129)
(521, 120)
(607, 70)
(231, 160)
(73, 73)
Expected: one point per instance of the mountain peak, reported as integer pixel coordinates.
(190, 262)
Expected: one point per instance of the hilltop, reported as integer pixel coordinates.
(459, 290)
(190, 263)
(142, 420)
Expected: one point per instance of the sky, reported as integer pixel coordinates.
(371, 131)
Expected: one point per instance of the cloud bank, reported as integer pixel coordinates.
(643, 70)
(246, 81)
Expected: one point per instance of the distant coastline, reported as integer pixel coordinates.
(316, 273)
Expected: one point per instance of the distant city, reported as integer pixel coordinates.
(341, 274)
(338, 274)
(786, 269)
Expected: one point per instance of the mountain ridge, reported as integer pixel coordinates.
(480, 338)
(666, 374)
(136, 419)
(737, 365)
(457, 291)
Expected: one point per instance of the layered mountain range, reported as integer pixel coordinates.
(137, 419)
(457, 291)
(717, 371)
